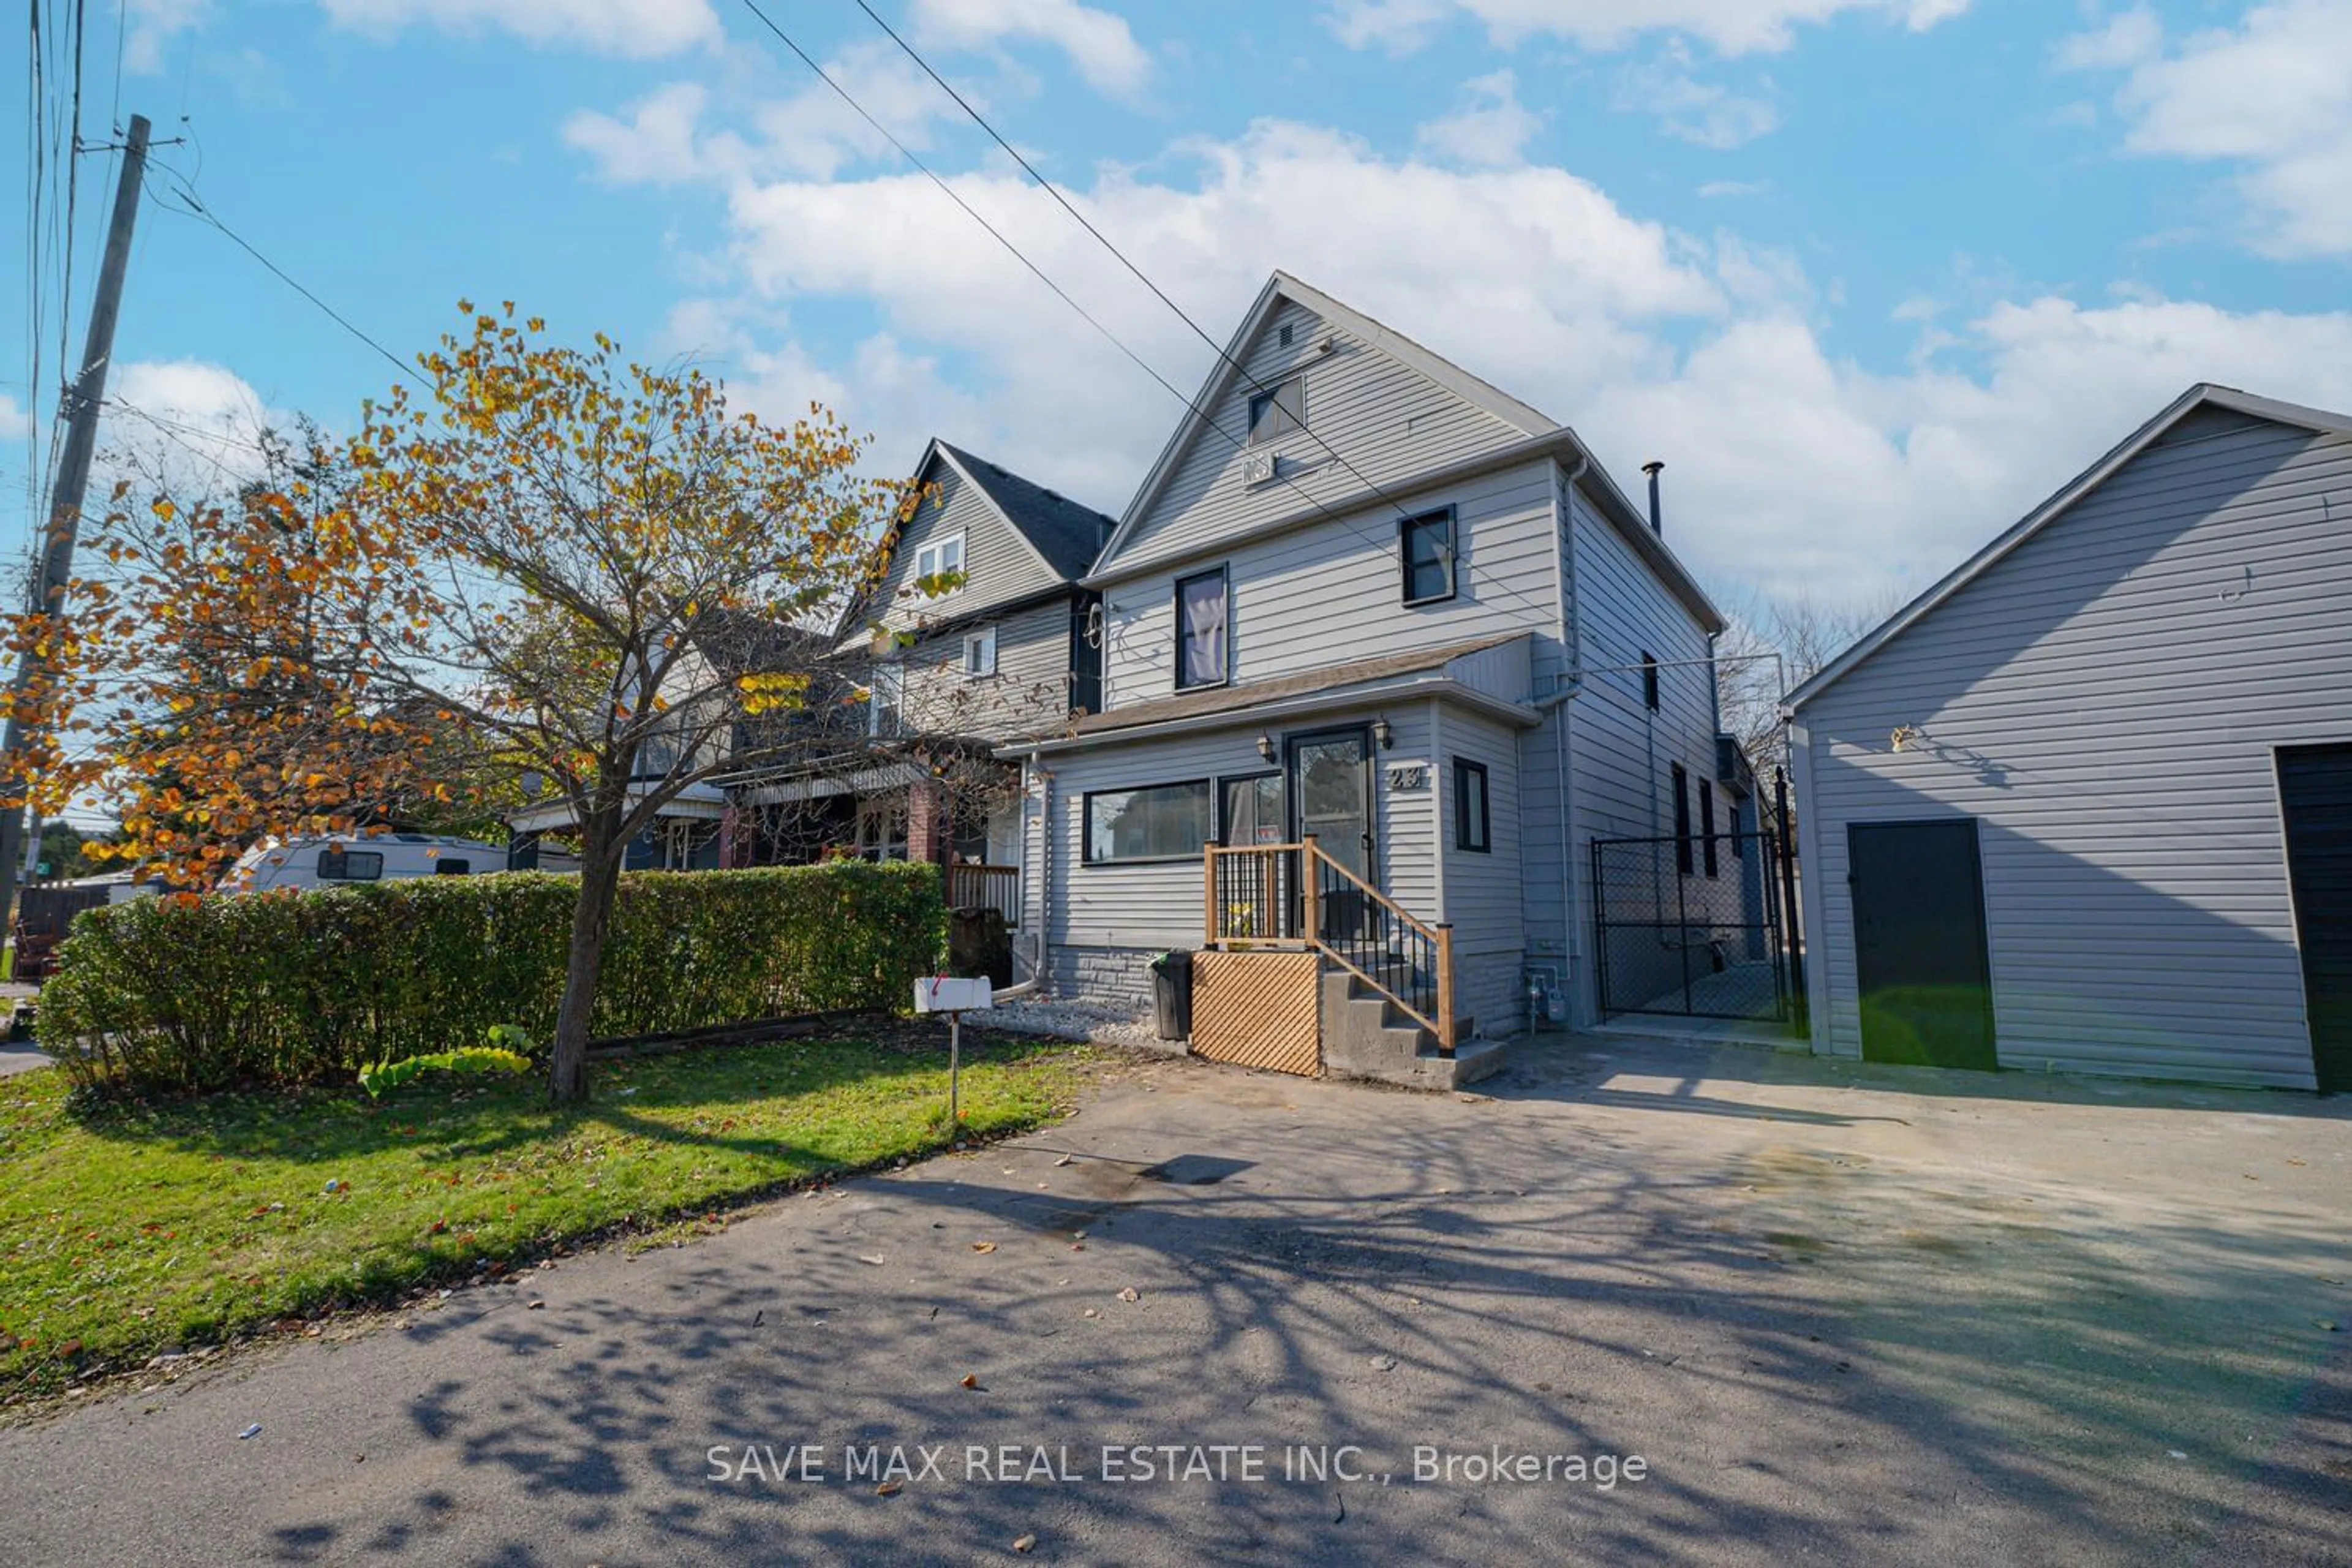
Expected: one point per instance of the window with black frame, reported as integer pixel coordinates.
(1160, 822)
(1706, 823)
(1426, 553)
(1681, 820)
(1470, 808)
(1252, 812)
(1203, 629)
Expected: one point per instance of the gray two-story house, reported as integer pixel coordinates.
(1366, 599)
(976, 632)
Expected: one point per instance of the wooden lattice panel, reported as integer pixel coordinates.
(1258, 1010)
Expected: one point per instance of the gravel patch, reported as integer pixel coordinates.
(1071, 1020)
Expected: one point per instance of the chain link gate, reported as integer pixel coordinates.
(1695, 927)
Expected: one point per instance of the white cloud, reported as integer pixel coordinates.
(14, 423)
(632, 28)
(2272, 95)
(1703, 113)
(1728, 26)
(1789, 468)
(661, 138)
(1720, 190)
(1489, 131)
(1098, 44)
(193, 419)
(656, 144)
(148, 26)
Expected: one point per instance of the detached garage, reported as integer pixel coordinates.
(2086, 804)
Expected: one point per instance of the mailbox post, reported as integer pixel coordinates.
(945, 993)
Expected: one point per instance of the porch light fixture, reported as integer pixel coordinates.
(1265, 747)
(1384, 734)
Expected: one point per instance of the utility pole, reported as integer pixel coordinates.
(80, 407)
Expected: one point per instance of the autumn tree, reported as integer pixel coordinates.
(535, 575)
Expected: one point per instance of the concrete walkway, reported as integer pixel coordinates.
(1843, 1314)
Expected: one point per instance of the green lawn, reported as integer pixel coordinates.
(127, 1229)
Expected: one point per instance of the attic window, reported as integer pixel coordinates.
(940, 557)
(1285, 334)
(1279, 410)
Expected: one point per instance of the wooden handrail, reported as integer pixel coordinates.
(1423, 927)
(1310, 853)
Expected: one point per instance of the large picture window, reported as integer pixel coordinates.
(1164, 822)
(1203, 629)
(1425, 547)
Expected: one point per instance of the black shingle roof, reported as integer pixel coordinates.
(1069, 536)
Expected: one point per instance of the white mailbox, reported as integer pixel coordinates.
(943, 994)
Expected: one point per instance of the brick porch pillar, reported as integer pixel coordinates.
(927, 823)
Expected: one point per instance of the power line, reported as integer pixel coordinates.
(1192, 407)
(1402, 511)
(199, 209)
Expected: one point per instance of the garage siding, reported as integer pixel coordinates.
(2105, 701)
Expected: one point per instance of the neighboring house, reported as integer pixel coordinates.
(976, 633)
(2086, 804)
(1366, 597)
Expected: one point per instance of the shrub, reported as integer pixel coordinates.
(195, 994)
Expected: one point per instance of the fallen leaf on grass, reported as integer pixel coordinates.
(1092, 1313)
(887, 1489)
(1129, 1294)
(983, 1247)
(1024, 1542)
(970, 1380)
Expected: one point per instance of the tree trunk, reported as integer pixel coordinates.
(591, 919)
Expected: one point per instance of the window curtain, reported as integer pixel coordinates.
(1204, 631)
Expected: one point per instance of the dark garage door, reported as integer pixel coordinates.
(1919, 943)
(2316, 792)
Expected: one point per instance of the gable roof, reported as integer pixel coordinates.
(2204, 395)
(1063, 535)
(1195, 423)
(1066, 535)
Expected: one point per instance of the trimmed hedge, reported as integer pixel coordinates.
(299, 987)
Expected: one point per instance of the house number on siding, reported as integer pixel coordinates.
(1406, 778)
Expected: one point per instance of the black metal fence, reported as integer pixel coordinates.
(1694, 926)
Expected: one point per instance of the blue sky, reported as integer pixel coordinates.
(1872, 276)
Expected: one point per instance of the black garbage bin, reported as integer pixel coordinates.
(1171, 994)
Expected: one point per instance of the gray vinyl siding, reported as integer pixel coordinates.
(1331, 591)
(1158, 903)
(1481, 891)
(1388, 420)
(1029, 694)
(999, 566)
(2105, 701)
(1621, 753)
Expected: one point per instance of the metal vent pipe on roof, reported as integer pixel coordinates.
(1657, 523)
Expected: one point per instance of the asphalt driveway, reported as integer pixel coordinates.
(1839, 1313)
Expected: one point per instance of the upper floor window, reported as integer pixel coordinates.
(1425, 547)
(939, 557)
(1203, 629)
(979, 652)
(1279, 410)
(1649, 682)
(884, 697)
